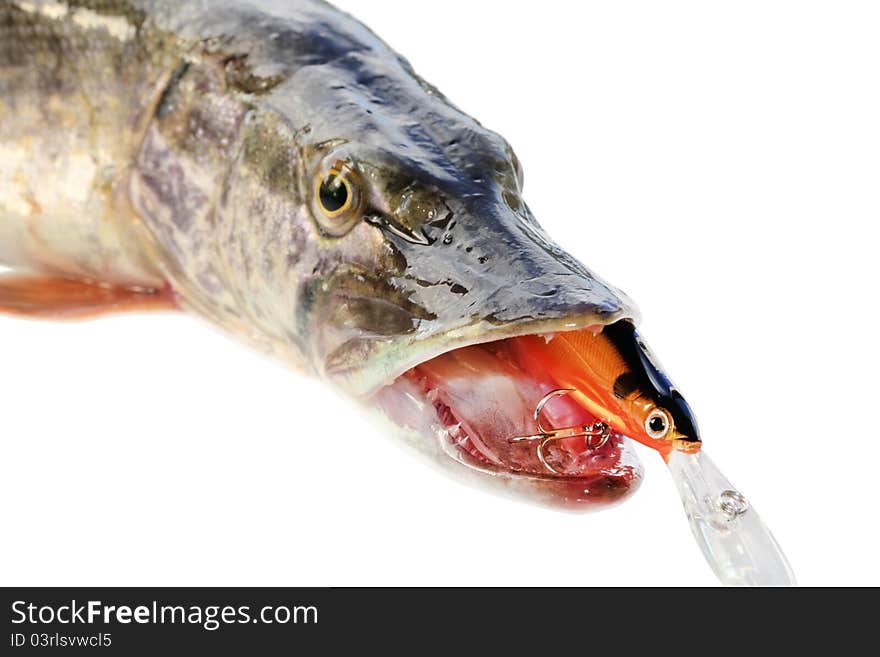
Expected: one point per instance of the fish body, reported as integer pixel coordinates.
(278, 170)
(275, 168)
(75, 88)
(151, 143)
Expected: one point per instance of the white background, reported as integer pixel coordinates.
(718, 161)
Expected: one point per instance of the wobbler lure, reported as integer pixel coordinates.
(278, 170)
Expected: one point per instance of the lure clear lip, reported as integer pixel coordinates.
(737, 544)
(497, 409)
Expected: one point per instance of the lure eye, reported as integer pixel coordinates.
(658, 424)
(337, 197)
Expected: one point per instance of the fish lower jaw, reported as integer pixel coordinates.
(476, 400)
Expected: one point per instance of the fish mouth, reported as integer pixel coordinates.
(475, 404)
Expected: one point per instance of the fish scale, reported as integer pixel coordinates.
(73, 84)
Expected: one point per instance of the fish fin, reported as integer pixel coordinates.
(46, 297)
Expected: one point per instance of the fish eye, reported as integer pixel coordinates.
(334, 194)
(658, 424)
(337, 197)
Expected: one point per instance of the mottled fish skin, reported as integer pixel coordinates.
(143, 142)
(75, 91)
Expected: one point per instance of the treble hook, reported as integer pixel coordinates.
(598, 429)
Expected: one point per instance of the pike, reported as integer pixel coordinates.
(276, 169)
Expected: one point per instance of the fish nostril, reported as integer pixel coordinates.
(540, 289)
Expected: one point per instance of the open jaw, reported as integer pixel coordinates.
(472, 403)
